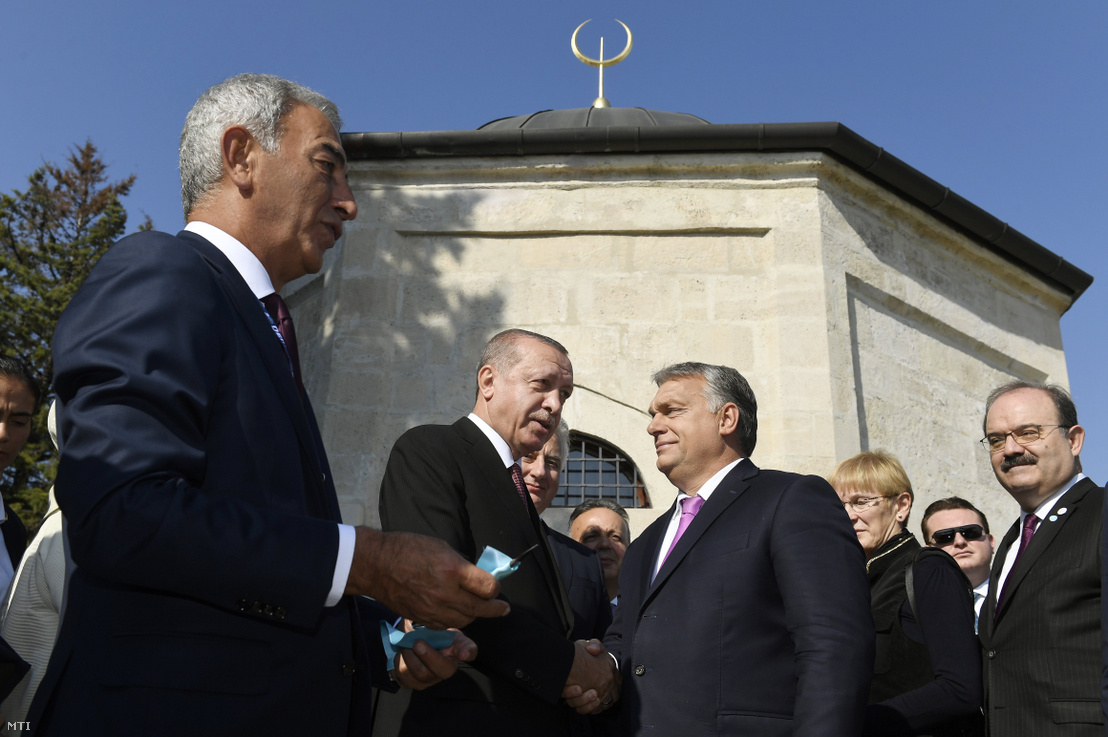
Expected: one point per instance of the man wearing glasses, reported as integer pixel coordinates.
(960, 528)
(1040, 627)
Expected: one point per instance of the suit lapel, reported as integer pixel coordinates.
(498, 479)
(733, 485)
(503, 490)
(651, 541)
(1049, 529)
(252, 315)
(988, 612)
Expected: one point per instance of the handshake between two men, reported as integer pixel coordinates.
(423, 579)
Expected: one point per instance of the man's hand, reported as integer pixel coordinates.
(423, 666)
(594, 682)
(422, 578)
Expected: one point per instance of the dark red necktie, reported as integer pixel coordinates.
(279, 311)
(517, 477)
(1030, 524)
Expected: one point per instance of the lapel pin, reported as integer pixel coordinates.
(1063, 510)
(1052, 518)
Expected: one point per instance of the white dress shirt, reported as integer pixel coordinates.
(1042, 512)
(501, 445)
(704, 492)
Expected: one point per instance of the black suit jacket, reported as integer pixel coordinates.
(759, 621)
(202, 515)
(583, 578)
(449, 482)
(1042, 664)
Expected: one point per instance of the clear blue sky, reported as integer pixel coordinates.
(1003, 102)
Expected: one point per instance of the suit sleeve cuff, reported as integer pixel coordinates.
(343, 562)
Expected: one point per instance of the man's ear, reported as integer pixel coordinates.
(239, 147)
(486, 375)
(1076, 436)
(728, 419)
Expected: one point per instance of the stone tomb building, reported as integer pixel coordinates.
(869, 306)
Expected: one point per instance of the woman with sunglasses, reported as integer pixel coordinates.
(927, 673)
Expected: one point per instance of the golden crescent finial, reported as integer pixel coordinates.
(601, 62)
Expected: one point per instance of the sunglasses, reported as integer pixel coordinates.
(969, 532)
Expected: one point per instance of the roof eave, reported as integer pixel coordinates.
(831, 137)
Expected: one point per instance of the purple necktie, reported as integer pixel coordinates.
(689, 507)
(1030, 524)
(517, 477)
(279, 311)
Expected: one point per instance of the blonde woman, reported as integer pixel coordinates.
(927, 672)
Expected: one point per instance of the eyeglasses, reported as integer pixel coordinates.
(863, 503)
(942, 538)
(1026, 435)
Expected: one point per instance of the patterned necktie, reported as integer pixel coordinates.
(517, 477)
(1030, 523)
(976, 609)
(279, 311)
(689, 507)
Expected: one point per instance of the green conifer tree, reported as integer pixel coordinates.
(51, 234)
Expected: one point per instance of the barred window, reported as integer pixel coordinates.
(598, 470)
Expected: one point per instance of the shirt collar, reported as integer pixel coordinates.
(710, 485)
(242, 258)
(498, 442)
(982, 588)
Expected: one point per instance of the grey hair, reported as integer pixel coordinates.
(257, 102)
(723, 385)
(502, 351)
(562, 434)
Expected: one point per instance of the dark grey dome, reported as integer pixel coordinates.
(594, 117)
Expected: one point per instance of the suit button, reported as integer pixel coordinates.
(256, 607)
(518, 673)
(640, 670)
(280, 613)
(243, 605)
(991, 654)
(323, 478)
(348, 668)
(268, 610)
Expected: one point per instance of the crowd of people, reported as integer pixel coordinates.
(198, 578)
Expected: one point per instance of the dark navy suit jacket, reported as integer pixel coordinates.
(758, 623)
(202, 514)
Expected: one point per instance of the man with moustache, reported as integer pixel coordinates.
(956, 526)
(1041, 624)
(745, 609)
(463, 483)
(216, 591)
(603, 526)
